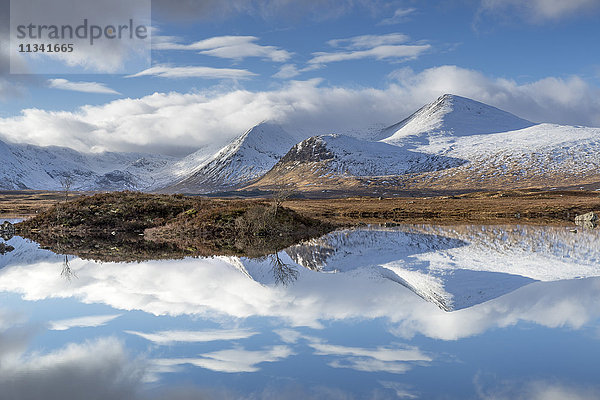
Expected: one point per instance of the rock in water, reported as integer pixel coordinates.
(589, 220)
(4, 248)
(7, 230)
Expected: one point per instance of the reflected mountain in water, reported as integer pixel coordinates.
(452, 267)
(328, 313)
(457, 267)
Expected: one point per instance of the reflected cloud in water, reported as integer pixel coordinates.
(169, 337)
(362, 303)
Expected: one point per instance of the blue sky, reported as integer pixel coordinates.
(324, 64)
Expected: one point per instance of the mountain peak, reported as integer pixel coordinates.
(453, 115)
(247, 157)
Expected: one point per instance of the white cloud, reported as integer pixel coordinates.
(172, 42)
(380, 47)
(287, 71)
(82, 322)
(165, 71)
(290, 71)
(86, 87)
(379, 353)
(232, 360)
(400, 52)
(176, 123)
(167, 337)
(395, 360)
(369, 41)
(540, 10)
(231, 47)
(288, 335)
(242, 51)
(398, 17)
(401, 390)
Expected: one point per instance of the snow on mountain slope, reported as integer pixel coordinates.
(34, 167)
(329, 157)
(543, 155)
(181, 169)
(246, 158)
(452, 115)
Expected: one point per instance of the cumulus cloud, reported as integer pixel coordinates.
(85, 87)
(98, 369)
(231, 47)
(176, 123)
(540, 10)
(165, 71)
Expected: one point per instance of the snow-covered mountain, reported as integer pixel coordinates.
(452, 115)
(453, 143)
(331, 156)
(501, 150)
(247, 157)
(544, 155)
(34, 167)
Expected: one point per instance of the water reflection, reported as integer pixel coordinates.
(355, 314)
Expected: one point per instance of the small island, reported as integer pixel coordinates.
(132, 226)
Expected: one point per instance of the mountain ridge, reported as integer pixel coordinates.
(242, 160)
(452, 144)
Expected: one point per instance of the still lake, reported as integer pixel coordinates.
(410, 312)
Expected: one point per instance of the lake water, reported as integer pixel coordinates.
(412, 312)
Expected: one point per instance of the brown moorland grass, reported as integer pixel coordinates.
(25, 203)
(499, 207)
(531, 205)
(109, 226)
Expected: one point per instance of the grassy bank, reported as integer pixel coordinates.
(126, 226)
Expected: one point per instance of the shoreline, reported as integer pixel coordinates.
(530, 206)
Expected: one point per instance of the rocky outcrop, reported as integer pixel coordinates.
(589, 220)
(7, 230)
(5, 248)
